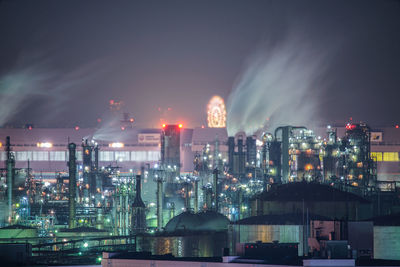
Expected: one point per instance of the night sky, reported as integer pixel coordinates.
(62, 61)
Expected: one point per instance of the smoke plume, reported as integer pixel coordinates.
(33, 78)
(280, 85)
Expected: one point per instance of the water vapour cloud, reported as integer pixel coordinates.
(32, 76)
(280, 85)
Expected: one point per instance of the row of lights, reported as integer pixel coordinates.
(50, 145)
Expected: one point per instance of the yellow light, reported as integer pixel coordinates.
(180, 125)
(116, 145)
(163, 125)
(44, 145)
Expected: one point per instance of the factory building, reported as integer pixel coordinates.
(319, 199)
(207, 177)
(47, 152)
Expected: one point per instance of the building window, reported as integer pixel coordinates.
(390, 156)
(106, 155)
(40, 155)
(122, 155)
(138, 156)
(153, 155)
(57, 156)
(23, 155)
(376, 156)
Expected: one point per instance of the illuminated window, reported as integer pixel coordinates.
(390, 156)
(376, 156)
(138, 156)
(153, 155)
(23, 155)
(106, 156)
(40, 155)
(122, 155)
(79, 155)
(57, 156)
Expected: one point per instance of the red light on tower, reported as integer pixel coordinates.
(180, 125)
(397, 126)
(76, 128)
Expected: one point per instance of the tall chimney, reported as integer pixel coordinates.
(138, 209)
(231, 152)
(10, 164)
(215, 188)
(72, 184)
(159, 194)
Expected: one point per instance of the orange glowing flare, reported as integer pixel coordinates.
(180, 125)
(308, 167)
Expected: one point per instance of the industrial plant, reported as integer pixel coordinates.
(72, 194)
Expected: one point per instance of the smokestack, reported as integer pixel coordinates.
(171, 210)
(97, 177)
(10, 163)
(138, 209)
(187, 197)
(215, 187)
(264, 160)
(217, 159)
(207, 192)
(285, 154)
(196, 195)
(72, 184)
(241, 155)
(231, 152)
(251, 150)
(159, 181)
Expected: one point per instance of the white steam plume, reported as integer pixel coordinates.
(110, 130)
(279, 86)
(33, 76)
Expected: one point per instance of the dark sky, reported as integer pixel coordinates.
(62, 61)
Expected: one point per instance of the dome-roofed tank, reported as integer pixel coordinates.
(202, 221)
